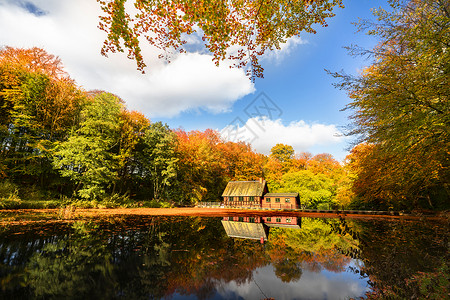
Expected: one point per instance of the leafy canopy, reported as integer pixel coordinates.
(400, 103)
(240, 30)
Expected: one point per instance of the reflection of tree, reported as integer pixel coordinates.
(315, 246)
(190, 256)
(395, 251)
(288, 270)
(17, 245)
(211, 259)
(71, 268)
(155, 257)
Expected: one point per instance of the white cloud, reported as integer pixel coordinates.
(277, 55)
(312, 285)
(263, 133)
(69, 30)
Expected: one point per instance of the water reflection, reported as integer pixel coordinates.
(255, 227)
(139, 257)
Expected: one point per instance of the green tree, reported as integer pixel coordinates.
(133, 126)
(156, 156)
(86, 157)
(313, 189)
(400, 103)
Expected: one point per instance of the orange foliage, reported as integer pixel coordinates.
(300, 161)
(323, 163)
(207, 163)
(34, 60)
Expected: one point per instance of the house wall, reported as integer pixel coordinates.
(242, 201)
(281, 202)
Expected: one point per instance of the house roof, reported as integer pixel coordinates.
(281, 195)
(245, 188)
(245, 230)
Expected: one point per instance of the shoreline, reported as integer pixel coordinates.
(69, 213)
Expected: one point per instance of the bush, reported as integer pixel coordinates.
(33, 193)
(9, 195)
(8, 189)
(157, 204)
(108, 201)
(324, 206)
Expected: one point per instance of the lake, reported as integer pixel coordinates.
(234, 257)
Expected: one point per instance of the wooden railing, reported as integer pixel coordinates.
(283, 206)
(210, 204)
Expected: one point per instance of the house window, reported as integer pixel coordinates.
(268, 200)
(251, 220)
(230, 198)
(277, 200)
(268, 219)
(287, 200)
(241, 198)
(278, 220)
(288, 220)
(230, 218)
(241, 219)
(252, 198)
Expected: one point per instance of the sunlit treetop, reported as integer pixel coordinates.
(238, 30)
(32, 60)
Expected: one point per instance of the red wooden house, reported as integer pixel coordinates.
(245, 193)
(255, 194)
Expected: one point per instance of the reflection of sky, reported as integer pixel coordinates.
(312, 285)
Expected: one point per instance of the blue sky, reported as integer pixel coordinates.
(192, 93)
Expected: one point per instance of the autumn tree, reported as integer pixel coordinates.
(283, 153)
(157, 159)
(242, 163)
(132, 128)
(39, 104)
(273, 171)
(300, 161)
(200, 165)
(207, 162)
(323, 163)
(279, 163)
(400, 103)
(237, 30)
(87, 156)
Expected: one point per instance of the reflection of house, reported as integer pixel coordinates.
(245, 230)
(255, 194)
(257, 228)
(286, 222)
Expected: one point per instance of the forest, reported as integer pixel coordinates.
(85, 147)
(61, 145)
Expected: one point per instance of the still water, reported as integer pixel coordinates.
(145, 257)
